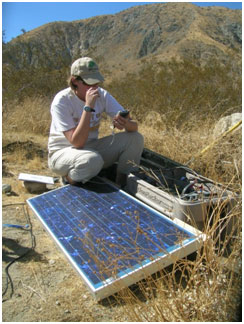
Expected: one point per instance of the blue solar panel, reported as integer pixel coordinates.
(109, 235)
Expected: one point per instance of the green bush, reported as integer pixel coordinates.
(180, 90)
(21, 84)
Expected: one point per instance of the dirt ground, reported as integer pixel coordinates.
(45, 287)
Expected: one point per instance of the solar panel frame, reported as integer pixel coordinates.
(112, 283)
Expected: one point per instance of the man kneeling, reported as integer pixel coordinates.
(75, 151)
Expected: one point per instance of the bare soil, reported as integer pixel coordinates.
(45, 287)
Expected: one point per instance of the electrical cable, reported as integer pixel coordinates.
(231, 129)
(33, 245)
(196, 180)
(124, 114)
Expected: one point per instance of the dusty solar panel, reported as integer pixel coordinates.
(112, 239)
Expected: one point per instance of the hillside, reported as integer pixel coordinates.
(187, 61)
(121, 41)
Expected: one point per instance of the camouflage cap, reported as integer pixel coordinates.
(87, 69)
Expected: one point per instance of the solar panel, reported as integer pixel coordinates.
(112, 239)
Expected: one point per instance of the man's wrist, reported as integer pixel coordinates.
(88, 109)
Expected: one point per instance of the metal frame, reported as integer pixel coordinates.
(134, 274)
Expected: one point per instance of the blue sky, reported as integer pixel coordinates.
(18, 16)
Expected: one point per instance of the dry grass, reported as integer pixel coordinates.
(206, 288)
(32, 116)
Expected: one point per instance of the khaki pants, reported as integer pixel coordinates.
(83, 164)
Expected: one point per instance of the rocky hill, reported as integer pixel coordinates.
(122, 41)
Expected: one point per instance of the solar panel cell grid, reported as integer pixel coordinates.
(106, 232)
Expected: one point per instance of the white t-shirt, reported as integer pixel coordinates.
(66, 111)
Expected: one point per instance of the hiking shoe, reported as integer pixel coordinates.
(64, 181)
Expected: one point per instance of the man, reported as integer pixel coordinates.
(75, 152)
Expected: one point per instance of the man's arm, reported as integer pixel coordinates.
(131, 126)
(125, 123)
(78, 135)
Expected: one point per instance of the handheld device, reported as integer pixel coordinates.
(124, 113)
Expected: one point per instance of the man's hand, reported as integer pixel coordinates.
(120, 122)
(91, 96)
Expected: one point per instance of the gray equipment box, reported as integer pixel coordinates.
(176, 190)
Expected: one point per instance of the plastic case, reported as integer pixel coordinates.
(177, 190)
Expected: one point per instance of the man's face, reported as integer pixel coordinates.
(82, 87)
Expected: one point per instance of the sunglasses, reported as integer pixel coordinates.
(86, 84)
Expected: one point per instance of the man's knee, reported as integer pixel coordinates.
(139, 139)
(86, 168)
(136, 141)
(94, 165)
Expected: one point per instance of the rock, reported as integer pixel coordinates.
(226, 123)
(67, 311)
(6, 188)
(35, 187)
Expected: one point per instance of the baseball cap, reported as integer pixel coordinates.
(87, 69)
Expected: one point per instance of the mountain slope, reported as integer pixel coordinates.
(179, 30)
